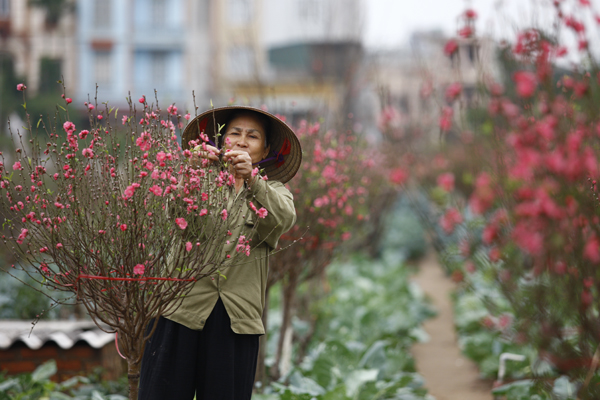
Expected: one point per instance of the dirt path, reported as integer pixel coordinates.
(448, 374)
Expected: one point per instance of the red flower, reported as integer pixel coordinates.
(453, 91)
(466, 32)
(398, 176)
(446, 119)
(526, 83)
(446, 181)
(262, 212)
(21, 87)
(139, 269)
(451, 47)
(181, 223)
(470, 14)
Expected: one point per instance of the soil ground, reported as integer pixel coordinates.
(448, 374)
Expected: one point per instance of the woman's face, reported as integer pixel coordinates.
(246, 133)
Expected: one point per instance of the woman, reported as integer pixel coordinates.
(209, 346)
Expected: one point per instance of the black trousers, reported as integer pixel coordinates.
(214, 363)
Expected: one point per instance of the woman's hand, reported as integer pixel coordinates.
(204, 152)
(241, 163)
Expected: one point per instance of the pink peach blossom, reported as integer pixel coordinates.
(139, 269)
(181, 223)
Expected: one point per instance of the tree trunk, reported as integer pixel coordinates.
(261, 368)
(133, 376)
(289, 294)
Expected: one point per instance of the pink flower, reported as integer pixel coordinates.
(181, 223)
(17, 166)
(83, 134)
(22, 236)
(139, 269)
(142, 99)
(398, 176)
(254, 172)
(451, 47)
(69, 100)
(69, 127)
(262, 212)
(224, 214)
(203, 212)
(161, 156)
(124, 119)
(453, 91)
(187, 116)
(100, 116)
(91, 106)
(102, 232)
(446, 181)
(346, 235)
(494, 254)
(450, 219)
(188, 246)
(59, 245)
(21, 87)
(470, 14)
(123, 227)
(156, 190)
(592, 250)
(446, 119)
(88, 153)
(144, 142)
(43, 249)
(526, 83)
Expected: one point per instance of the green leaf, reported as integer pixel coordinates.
(38, 124)
(514, 387)
(97, 396)
(116, 112)
(564, 389)
(4, 386)
(59, 396)
(357, 378)
(44, 371)
(64, 109)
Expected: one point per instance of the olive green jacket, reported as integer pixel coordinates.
(243, 289)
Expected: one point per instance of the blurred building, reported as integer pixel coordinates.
(137, 46)
(37, 44)
(313, 49)
(405, 78)
(273, 52)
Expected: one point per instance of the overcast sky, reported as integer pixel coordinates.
(389, 23)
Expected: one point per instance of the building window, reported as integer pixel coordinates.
(240, 11)
(158, 68)
(103, 69)
(158, 9)
(102, 14)
(4, 9)
(50, 74)
(308, 10)
(241, 63)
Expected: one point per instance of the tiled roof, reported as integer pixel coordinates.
(64, 333)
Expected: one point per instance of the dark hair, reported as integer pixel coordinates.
(264, 121)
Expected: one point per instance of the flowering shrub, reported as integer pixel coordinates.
(535, 189)
(117, 217)
(331, 194)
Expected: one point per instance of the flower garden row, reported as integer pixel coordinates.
(517, 219)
